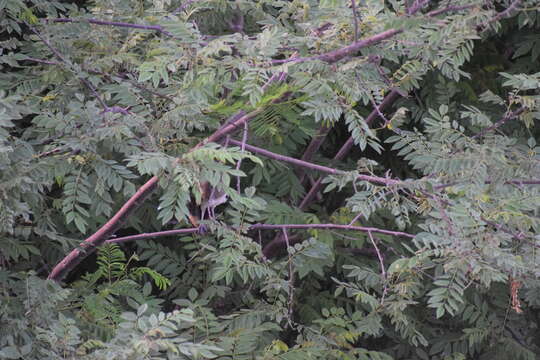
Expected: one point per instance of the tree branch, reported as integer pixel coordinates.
(329, 226)
(355, 19)
(157, 28)
(87, 83)
(119, 77)
(182, 7)
(508, 116)
(153, 235)
(336, 55)
(277, 242)
(506, 13)
(418, 4)
(344, 150)
(499, 16)
(448, 9)
(308, 165)
(262, 227)
(106, 231)
(509, 182)
(381, 263)
(311, 149)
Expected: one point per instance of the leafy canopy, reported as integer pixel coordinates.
(307, 179)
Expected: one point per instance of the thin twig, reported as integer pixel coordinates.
(183, 6)
(355, 19)
(329, 170)
(243, 149)
(336, 55)
(381, 263)
(96, 95)
(448, 9)
(312, 149)
(508, 182)
(418, 4)
(157, 28)
(67, 63)
(347, 146)
(291, 277)
(47, 153)
(111, 77)
(152, 235)
(281, 227)
(499, 16)
(330, 226)
(358, 216)
(504, 119)
(506, 13)
(518, 236)
(444, 215)
(41, 61)
(372, 100)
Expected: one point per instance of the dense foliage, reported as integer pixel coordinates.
(269, 179)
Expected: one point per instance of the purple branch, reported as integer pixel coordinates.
(94, 71)
(519, 236)
(444, 215)
(508, 116)
(499, 16)
(281, 227)
(418, 4)
(330, 226)
(326, 169)
(48, 44)
(96, 95)
(336, 55)
(356, 218)
(509, 182)
(152, 235)
(312, 148)
(344, 150)
(107, 230)
(449, 8)
(183, 6)
(279, 77)
(506, 13)
(87, 83)
(288, 159)
(48, 62)
(233, 125)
